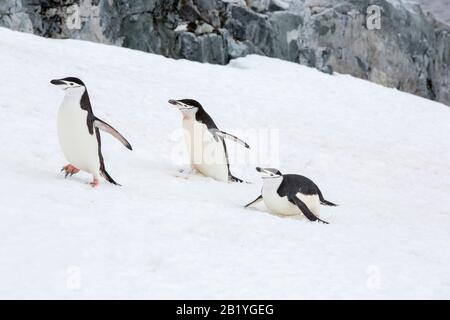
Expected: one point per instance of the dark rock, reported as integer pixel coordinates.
(411, 52)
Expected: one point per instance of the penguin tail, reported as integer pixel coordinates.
(108, 178)
(325, 202)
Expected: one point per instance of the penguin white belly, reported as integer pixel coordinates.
(279, 205)
(282, 206)
(79, 147)
(206, 155)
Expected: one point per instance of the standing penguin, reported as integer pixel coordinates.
(290, 194)
(78, 131)
(205, 142)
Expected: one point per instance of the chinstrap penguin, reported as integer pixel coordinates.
(78, 131)
(290, 194)
(205, 142)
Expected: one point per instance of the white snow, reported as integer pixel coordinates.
(383, 155)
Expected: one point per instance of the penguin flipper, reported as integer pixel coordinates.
(108, 178)
(304, 209)
(102, 125)
(323, 201)
(328, 203)
(260, 198)
(223, 134)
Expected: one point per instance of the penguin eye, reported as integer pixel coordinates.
(71, 83)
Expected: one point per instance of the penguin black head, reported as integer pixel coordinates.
(68, 83)
(187, 106)
(269, 172)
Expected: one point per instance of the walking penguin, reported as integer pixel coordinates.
(79, 132)
(205, 142)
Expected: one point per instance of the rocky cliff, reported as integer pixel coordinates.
(410, 51)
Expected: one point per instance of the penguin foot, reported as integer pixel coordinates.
(234, 179)
(70, 170)
(94, 183)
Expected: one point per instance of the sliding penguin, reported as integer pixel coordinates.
(78, 131)
(205, 142)
(290, 194)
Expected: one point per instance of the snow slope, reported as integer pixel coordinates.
(383, 155)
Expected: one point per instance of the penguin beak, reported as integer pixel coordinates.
(267, 173)
(180, 105)
(57, 82)
(264, 173)
(177, 104)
